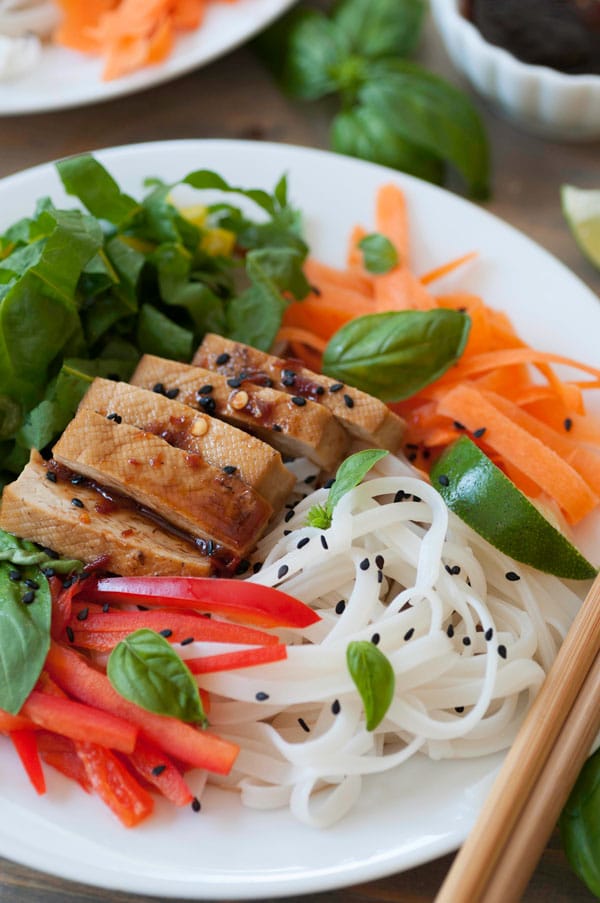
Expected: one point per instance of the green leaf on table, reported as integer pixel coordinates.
(315, 50)
(374, 678)
(158, 334)
(377, 28)
(580, 825)
(88, 180)
(379, 254)
(144, 669)
(350, 473)
(394, 354)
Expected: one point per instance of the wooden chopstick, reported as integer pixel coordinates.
(470, 874)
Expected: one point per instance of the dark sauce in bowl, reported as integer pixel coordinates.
(561, 34)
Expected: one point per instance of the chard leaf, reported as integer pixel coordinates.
(377, 28)
(379, 254)
(157, 334)
(282, 266)
(144, 669)
(392, 355)
(374, 678)
(203, 179)
(88, 180)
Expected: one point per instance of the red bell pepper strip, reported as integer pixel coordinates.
(115, 785)
(61, 753)
(239, 600)
(80, 722)
(62, 600)
(243, 658)
(181, 626)
(182, 741)
(10, 722)
(25, 743)
(156, 767)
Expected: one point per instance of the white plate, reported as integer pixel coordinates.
(65, 78)
(405, 818)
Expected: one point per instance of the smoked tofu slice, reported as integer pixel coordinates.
(203, 501)
(364, 417)
(221, 445)
(43, 511)
(303, 429)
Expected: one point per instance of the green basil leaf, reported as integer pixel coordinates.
(315, 49)
(433, 114)
(580, 825)
(24, 636)
(392, 355)
(158, 334)
(88, 180)
(204, 179)
(374, 677)
(376, 28)
(379, 254)
(350, 473)
(364, 133)
(22, 552)
(144, 669)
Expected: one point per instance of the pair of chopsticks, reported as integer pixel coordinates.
(501, 852)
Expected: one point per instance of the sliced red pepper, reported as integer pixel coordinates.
(79, 721)
(115, 785)
(61, 753)
(62, 601)
(182, 741)
(243, 658)
(239, 600)
(25, 743)
(182, 626)
(10, 722)
(156, 767)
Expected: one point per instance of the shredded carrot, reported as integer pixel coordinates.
(534, 421)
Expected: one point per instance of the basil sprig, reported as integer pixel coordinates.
(393, 112)
(350, 473)
(392, 355)
(379, 254)
(144, 669)
(374, 677)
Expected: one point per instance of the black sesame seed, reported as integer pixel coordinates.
(28, 597)
(289, 515)
(77, 480)
(450, 630)
(443, 480)
(277, 428)
(298, 400)
(261, 696)
(502, 651)
(379, 561)
(448, 568)
(286, 532)
(242, 567)
(77, 503)
(510, 575)
(466, 641)
(458, 425)
(167, 632)
(82, 615)
(379, 576)
(479, 433)
(69, 582)
(336, 707)
(158, 770)
(412, 457)
(205, 390)
(409, 633)
(14, 575)
(234, 382)
(172, 393)
(48, 572)
(375, 639)
(459, 708)
(324, 542)
(70, 634)
(115, 377)
(116, 417)
(187, 641)
(489, 634)
(106, 607)
(229, 469)
(340, 607)
(50, 475)
(207, 404)
(426, 454)
(196, 804)
(348, 401)
(412, 446)
(142, 608)
(400, 496)
(158, 388)
(336, 387)
(210, 548)
(256, 567)
(319, 390)
(304, 725)
(365, 564)
(329, 483)
(282, 571)
(223, 358)
(455, 569)
(568, 424)
(303, 542)
(288, 377)
(310, 478)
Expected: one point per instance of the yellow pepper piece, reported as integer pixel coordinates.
(138, 244)
(218, 242)
(195, 214)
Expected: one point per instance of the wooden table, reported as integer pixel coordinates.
(527, 175)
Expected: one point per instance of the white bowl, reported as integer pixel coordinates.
(540, 99)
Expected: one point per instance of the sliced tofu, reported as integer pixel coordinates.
(298, 430)
(364, 417)
(221, 445)
(179, 486)
(37, 509)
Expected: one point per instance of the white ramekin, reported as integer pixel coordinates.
(540, 99)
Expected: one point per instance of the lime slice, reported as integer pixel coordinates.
(581, 208)
(479, 493)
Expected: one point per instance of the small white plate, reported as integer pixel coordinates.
(65, 78)
(406, 817)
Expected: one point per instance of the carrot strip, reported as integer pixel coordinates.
(391, 219)
(446, 268)
(318, 273)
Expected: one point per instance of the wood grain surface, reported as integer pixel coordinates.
(527, 176)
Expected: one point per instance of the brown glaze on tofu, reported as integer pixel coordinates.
(364, 417)
(220, 444)
(294, 425)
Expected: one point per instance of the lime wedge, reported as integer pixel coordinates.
(485, 499)
(581, 208)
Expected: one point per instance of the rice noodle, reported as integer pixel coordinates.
(469, 647)
(23, 23)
